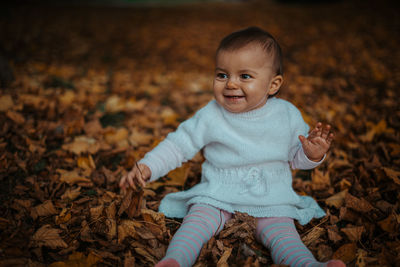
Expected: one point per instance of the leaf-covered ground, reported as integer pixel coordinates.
(97, 87)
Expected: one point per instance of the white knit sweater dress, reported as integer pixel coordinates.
(247, 161)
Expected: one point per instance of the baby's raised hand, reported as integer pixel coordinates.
(139, 174)
(318, 142)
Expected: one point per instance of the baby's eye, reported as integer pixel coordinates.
(222, 75)
(245, 76)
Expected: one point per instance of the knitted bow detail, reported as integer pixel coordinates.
(253, 183)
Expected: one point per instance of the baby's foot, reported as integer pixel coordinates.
(171, 263)
(335, 263)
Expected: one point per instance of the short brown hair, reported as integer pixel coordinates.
(241, 38)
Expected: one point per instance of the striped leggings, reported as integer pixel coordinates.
(204, 221)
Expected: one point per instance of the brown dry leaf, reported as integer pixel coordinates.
(337, 200)
(146, 255)
(127, 228)
(320, 180)
(346, 252)
(361, 258)
(389, 224)
(360, 205)
(353, 233)
(140, 138)
(132, 203)
(78, 259)
(71, 193)
(82, 144)
(313, 235)
(392, 174)
(156, 222)
(15, 116)
(112, 228)
(6, 103)
(72, 177)
(45, 209)
(93, 128)
(129, 260)
(117, 137)
(48, 237)
(333, 234)
(223, 261)
(96, 212)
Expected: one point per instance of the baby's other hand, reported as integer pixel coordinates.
(138, 176)
(318, 142)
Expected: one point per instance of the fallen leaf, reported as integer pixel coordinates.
(48, 237)
(223, 261)
(72, 177)
(337, 200)
(82, 144)
(15, 116)
(346, 252)
(71, 193)
(353, 233)
(78, 259)
(45, 209)
(360, 205)
(6, 103)
(392, 174)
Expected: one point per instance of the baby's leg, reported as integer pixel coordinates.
(280, 236)
(199, 225)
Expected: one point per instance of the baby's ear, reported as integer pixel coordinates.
(275, 84)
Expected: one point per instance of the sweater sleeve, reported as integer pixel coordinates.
(297, 127)
(179, 146)
(302, 162)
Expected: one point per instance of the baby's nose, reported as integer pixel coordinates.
(230, 84)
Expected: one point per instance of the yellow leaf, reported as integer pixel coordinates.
(336, 200)
(86, 163)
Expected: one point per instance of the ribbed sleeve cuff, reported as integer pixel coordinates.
(301, 161)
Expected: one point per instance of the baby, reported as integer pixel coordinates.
(250, 139)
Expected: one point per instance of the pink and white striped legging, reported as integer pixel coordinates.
(204, 221)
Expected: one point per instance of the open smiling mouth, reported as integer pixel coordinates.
(233, 97)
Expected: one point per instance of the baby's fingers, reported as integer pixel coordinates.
(326, 132)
